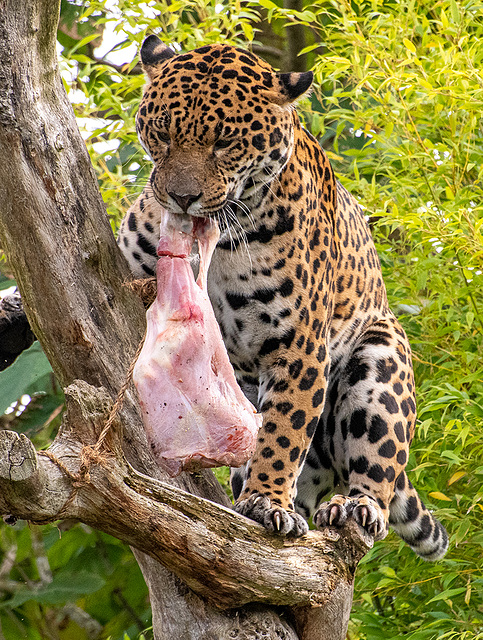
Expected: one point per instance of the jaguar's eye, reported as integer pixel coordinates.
(222, 143)
(163, 137)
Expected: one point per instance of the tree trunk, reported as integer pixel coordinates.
(295, 38)
(211, 573)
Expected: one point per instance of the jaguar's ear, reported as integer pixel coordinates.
(294, 85)
(153, 53)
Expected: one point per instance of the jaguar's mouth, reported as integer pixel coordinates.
(180, 231)
(232, 206)
(200, 214)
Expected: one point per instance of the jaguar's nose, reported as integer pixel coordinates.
(185, 200)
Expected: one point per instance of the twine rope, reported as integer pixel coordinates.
(92, 454)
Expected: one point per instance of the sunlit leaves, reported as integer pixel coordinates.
(401, 95)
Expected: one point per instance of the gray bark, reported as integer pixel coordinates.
(198, 557)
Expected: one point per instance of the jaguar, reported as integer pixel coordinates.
(297, 289)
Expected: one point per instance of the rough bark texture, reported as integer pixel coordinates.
(70, 273)
(222, 556)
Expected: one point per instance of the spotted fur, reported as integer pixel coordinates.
(297, 290)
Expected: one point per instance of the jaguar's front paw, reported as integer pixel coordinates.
(363, 509)
(276, 519)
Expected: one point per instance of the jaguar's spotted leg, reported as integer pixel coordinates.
(291, 405)
(139, 234)
(373, 415)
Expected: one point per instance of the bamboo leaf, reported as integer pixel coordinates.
(409, 45)
(456, 476)
(439, 496)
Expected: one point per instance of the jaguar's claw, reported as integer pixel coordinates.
(334, 512)
(258, 507)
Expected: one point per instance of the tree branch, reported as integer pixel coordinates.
(222, 556)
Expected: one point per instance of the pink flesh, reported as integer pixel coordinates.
(194, 412)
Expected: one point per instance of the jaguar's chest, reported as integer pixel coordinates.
(252, 301)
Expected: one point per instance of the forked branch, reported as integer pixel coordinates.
(222, 556)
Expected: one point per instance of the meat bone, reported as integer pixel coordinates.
(195, 414)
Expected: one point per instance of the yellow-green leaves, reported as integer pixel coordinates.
(409, 45)
(401, 94)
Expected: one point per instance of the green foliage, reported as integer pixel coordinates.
(25, 376)
(55, 573)
(397, 105)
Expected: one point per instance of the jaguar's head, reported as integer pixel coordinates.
(217, 122)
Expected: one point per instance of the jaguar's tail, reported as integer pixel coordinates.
(412, 521)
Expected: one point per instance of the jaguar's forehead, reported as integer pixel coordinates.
(214, 67)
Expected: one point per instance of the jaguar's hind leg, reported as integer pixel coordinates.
(367, 435)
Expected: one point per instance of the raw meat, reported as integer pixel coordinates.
(194, 412)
